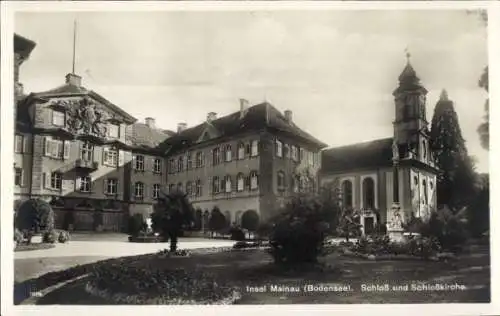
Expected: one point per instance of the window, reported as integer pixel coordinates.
(198, 188)
(295, 155)
(171, 188)
(85, 184)
(179, 187)
(18, 176)
(279, 148)
(227, 184)
(55, 148)
(281, 180)
(240, 181)
(199, 159)
(424, 188)
(189, 161)
(56, 181)
(139, 190)
(171, 166)
(110, 157)
(111, 186)
(241, 151)
(301, 152)
(58, 118)
(310, 159)
(139, 162)
(19, 144)
(254, 180)
(86, 151)
(189, 188)
(180, 164)
(228, 153)
(156, 191)
(216, 156)
(255, 148)
(216, 185)
(295, 184)
(114, 131)
(347, 193)
(286, 151)
(368, 193)
(157, 165)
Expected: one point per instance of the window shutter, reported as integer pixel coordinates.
(46, 146)
(67, 148)
(210, 185)
(134, 158)
(121, 158)
(144, 191)
(104, 186)
(44, 179)
(78, 183)
(104, 149)
(132, 191)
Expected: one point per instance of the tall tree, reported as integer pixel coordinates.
(457, 181)
(484, 128)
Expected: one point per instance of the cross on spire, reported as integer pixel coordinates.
(74, 47)
(408, 55)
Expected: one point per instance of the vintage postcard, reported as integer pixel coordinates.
(332, 157)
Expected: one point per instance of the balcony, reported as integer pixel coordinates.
(86, 164)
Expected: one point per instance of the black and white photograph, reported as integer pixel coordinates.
(245, 156)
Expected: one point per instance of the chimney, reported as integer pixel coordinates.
(243, 107)
(150, 122)
(74, 80)
(288, 116)
(181, 127)
(211, 116)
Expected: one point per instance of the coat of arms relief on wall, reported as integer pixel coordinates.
(83, 116)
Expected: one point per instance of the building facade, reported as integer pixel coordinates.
(97, 165)
(373, 176)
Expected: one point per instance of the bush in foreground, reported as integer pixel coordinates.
(136, 224)
(18, 237)
(34, 216)
(63, 237)
(50, 237)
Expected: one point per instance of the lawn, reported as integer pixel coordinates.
(253, 270)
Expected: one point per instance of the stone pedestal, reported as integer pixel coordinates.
(395, 223)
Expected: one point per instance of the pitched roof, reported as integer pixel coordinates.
(23, 46)
(69, 89)
(370, 154)
(257, 117)
(143, 136)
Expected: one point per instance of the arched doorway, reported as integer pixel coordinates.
(227, 215)
(250, 220)
(237, 219)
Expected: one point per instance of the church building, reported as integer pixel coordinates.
(400, 171)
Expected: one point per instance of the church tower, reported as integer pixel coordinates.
(411, 132)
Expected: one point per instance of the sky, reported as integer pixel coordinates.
(335, 70)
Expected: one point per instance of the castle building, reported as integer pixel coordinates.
(374, 176)
(97, 165)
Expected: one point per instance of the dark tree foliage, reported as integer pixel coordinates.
(34, 216)
(484, 128)
(217, 220)
(478, 213)
(250, 220)
(171, 216)
(136, 224)
(447, 227)
(457, 181)
(299, 231)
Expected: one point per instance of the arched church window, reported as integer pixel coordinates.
(424, 188)
(368, 193)
(347, 193)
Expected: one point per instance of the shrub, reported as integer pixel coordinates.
(447, 228)
(237, 233)
(299, 231)
(136, 224)
(18, 237)
(35, 215)
(49, 237)
(63, 236)
(217, 220)
(245, 245)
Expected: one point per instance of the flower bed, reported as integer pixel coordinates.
(34, 246)
(146, 239)
(137, 285)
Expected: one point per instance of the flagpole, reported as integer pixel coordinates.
(74, 46)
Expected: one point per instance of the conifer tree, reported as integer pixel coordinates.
(484, 128)
(457, 180)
